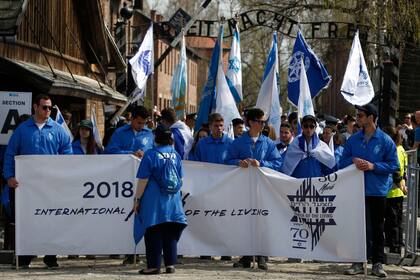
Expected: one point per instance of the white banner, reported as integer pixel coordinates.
(12, 105)
(230, 210)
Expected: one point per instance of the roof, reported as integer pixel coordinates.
(61, 83)
(11, 12)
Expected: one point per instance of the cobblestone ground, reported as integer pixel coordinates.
(194, 268)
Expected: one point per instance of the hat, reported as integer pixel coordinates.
(86, 123)
(309, 118)
(330, 120)
(192, 116)
(369, 109)
(163, 131)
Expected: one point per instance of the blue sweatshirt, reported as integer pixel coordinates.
(212, 150)
(124, 141)
(264, 150)
(379, 150)
(28, 139)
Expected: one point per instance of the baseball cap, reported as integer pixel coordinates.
(369, 109)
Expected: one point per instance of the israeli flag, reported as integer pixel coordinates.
(179, 82)
(61, 121)
(305, 106)
(142, 65)
(234, 70)
(95, 130)
(316, 73)
(225, 103)
(357, 87)
(268, 98)
(208, 95)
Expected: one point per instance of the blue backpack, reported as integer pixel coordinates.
(168, 180)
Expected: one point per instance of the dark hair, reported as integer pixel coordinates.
(237, 121)
(169, 115)
(38, 98)
(253, 114)
(292, 116)
(197, 137)
(286, 125)
(163, 135)
(215, 117)
(140, 111)
(91, 143)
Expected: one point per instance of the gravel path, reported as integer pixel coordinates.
(194, 268)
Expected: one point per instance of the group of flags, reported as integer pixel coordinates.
(222, 91)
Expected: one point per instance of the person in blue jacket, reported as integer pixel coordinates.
(84, 142)
(254, 149)
(373, 152)
(160, 214)
(133, 138)
(214, 147)
(308, 156)
(39, 135)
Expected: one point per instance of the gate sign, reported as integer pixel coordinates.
(12, 105)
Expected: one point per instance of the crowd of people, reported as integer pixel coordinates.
(313, 146)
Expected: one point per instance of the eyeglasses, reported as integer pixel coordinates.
(311, 126)
(261, 122)
(46, 107)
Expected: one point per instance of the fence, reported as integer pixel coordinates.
(412, 211)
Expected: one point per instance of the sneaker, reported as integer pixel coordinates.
(378, 270)
(356, 268)
(243, 262)
(262, 264)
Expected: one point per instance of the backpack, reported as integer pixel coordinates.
(168, 179)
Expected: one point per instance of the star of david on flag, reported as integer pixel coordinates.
(234, 71)
(142, 65)
(318, 77)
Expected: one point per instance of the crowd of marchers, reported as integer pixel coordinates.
(311, 146)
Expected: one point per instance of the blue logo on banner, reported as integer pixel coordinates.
(312, 213)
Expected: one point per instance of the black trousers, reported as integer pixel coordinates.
(375, 219)
(162, 237)
(393, 223)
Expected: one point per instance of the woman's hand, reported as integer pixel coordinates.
(136, 205)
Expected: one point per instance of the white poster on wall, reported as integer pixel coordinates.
(12, 105)
(80, 205)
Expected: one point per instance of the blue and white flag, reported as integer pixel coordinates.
(268, 98)
(316, 73)
(305, 106)
(234, 70)
(225, 103)
(142, 65)
(179, 82)
(357, 87)
(95, 130)
(208, 95)
(61, 121)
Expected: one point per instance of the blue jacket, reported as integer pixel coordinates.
(381, 151)
(158, 207)
(78, 150)
(212, 150)
(27, 139)
(264, 150)
(123, 141)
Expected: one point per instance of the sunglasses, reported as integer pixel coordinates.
(261, 122)
(311, 126)
(46, 107)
